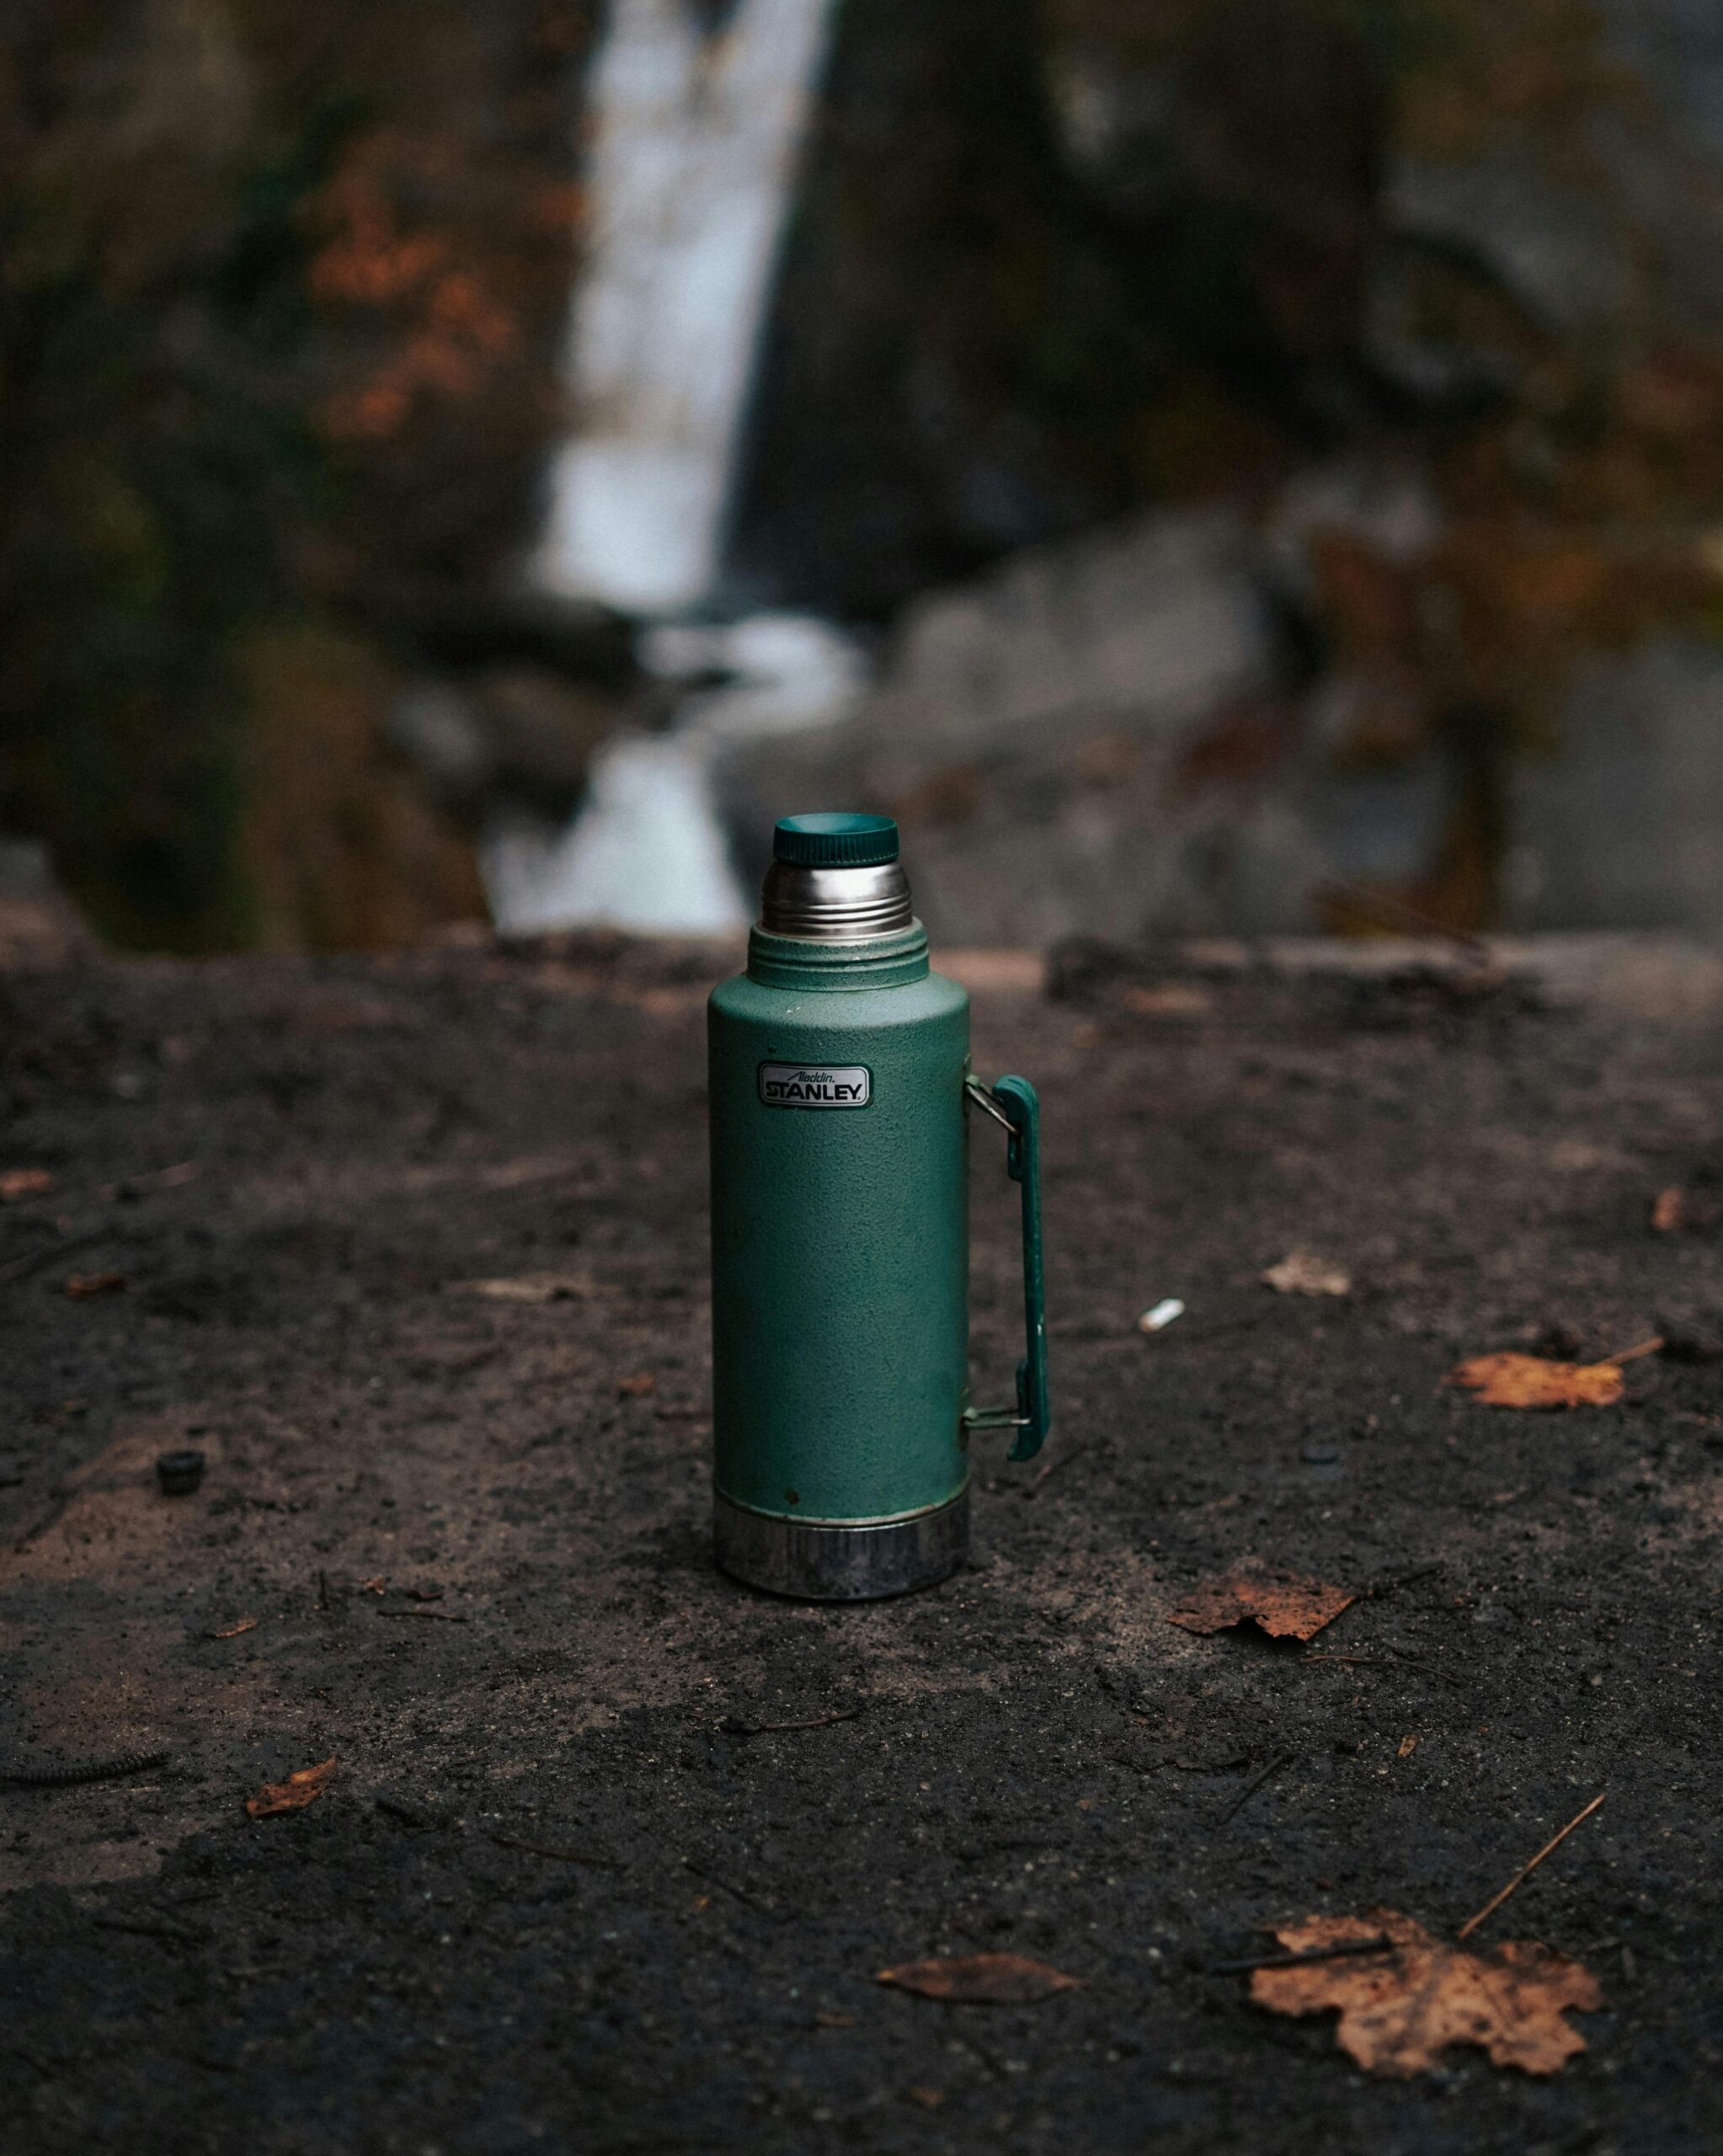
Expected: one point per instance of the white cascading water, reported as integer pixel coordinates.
(695, 131)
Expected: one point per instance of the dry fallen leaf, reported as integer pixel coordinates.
(1286, 1605)
(232, 1632)
(1407, 1746)
(1302, 1272)
(1400, 2009)
(84, 1286)
(980, 1979)
(1513, 1380)
(24, 1182)
(530, 1287)
(633, 1388)
(1668, 1209)
(305, 1785)
(1172, 1000)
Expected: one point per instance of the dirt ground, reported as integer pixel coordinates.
(564, 1892)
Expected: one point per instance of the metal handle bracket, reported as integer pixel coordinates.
(1013, 1103)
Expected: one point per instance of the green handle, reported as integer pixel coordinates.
(1013, 1102)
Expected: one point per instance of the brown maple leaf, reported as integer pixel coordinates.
(980, 1979)
(1286, 1605)
(1401, 2007)
(303, 1786)
(1510, 1380)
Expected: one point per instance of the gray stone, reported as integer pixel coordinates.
(1622, 825)
(1032, 731)
(1149, 624)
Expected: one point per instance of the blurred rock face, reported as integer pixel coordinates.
(1622, 825)
(1089, 738)
(1126, 735)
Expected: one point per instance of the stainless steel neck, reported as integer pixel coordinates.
(836, 905)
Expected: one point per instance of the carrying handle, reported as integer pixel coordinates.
(1013, 1102)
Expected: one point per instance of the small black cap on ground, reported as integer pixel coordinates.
(179, 1473)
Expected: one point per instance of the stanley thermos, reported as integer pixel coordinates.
(842, 1102)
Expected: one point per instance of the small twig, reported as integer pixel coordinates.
(20, 1268)
(1520, 1877)
(322, 1590)
(562, 1856)
(1391, 912)
(88, 1770)
(981, 2053)
(731, 1727)
(1401, 1579)
(442, 1616)
(1272, 1768)
(176, 1934)
(1375, 1661)
(1059, 1460)
(1652, 1346)
(415, 1815)
(152, 1179)
(1376, 1946)
(730, 1886)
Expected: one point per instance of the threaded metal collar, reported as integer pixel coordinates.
(836, 905)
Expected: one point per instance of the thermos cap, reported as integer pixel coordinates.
(832, 839)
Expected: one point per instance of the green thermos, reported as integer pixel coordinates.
(840, 1100)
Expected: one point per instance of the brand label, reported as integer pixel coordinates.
(815, 1084)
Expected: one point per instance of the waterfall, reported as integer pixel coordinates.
(696, 128)
(697, 109)
(645, 850)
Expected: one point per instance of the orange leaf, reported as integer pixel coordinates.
(232, 1632)
(305, 1785)
(1669, 1210)
(1510, 1380)
(24, 1182)
(1400, 2009)
(980, 1979)
(84, 1286)
(1286, 1605)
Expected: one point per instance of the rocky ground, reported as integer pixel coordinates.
(569, 1886)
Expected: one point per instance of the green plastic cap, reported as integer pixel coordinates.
(833, 840)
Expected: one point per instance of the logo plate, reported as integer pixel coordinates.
(815, 1084)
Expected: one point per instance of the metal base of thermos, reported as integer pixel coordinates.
(841, 1564)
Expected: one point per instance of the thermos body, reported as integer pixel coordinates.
(841, 1306)
(838, 1084)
